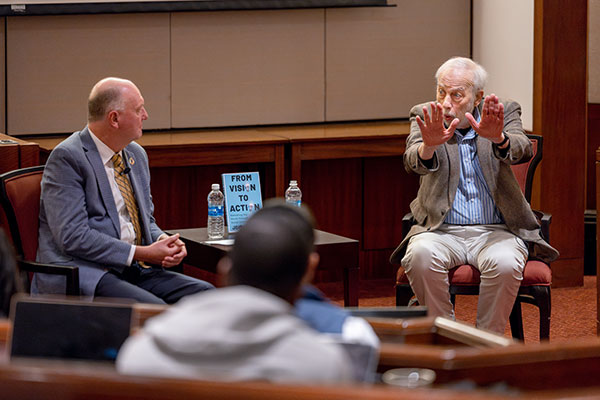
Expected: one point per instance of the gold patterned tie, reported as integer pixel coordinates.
(127, 193)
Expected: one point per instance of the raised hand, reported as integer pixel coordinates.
(492, 119)
(433, 131)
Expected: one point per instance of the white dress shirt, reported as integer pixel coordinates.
(127, 231)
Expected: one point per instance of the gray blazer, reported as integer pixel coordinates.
(79, 223)
(438, 186)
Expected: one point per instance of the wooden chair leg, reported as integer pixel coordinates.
(541, 294)
(403, 294)
(516, 321)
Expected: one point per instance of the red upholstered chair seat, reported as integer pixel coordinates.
(535, 273)
(464, 275)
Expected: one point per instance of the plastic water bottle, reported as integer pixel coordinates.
(216, 226)
(293, 195)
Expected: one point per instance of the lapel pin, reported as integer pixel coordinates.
(131, 161)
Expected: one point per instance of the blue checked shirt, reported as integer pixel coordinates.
(473, 203)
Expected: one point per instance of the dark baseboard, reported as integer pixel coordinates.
(589, 257)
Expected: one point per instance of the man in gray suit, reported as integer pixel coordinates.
(96, 209)
(469, 208)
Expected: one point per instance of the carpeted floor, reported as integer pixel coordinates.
(573, 309)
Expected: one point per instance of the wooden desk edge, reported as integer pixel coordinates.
(257, 135)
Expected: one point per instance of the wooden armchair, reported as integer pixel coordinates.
(20, 197)
(537, 276)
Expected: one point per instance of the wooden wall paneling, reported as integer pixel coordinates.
(179, 193)
(593, 143)
(187, 155)
(375, 264)
(333, 190)
(562, 102)
(381, 61)
(219, 147)
(247, 67)
(18, 153)
(294, 163)
(53, 62)
(277, 174)
(2, 76)
(351, 148)
(14, 155)
(29, 154)
(9, 157)
(597, 169)
(388, 191)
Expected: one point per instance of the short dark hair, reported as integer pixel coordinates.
(272, 248)
(103, 101)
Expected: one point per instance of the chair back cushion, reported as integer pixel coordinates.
(524, 172)
(21, 192)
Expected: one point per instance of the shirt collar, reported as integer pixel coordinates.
(105, 152)
(471, 134)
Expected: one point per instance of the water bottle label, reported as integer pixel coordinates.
(215, 211)
(297, 203)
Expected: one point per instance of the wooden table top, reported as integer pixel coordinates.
(200, 235)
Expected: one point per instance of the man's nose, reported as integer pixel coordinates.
(447, 103)
(145, 114)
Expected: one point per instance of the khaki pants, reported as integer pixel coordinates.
(498, 254)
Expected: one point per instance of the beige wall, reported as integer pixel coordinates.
(247, 67)
(594, 51)
(232, 68)
(382, 61)
(53, 62)
(503, 44)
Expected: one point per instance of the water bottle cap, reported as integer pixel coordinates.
(293, 182)
(215, 186)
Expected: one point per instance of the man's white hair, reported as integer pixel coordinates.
(462, 63)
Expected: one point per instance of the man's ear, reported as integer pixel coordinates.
(478, 97)
(223, 269)
(313, 262)
(113, 118)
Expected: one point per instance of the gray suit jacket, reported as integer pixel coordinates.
(79, 223)
(438, 186)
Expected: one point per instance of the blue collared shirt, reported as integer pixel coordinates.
(473, 203)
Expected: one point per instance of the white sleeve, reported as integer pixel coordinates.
(358, 330)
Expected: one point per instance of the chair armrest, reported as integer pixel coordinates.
(407, 222)
(70, 272)
(544, 219)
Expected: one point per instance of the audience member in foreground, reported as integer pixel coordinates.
(324, 316)
(96, 211)
(246, 331)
